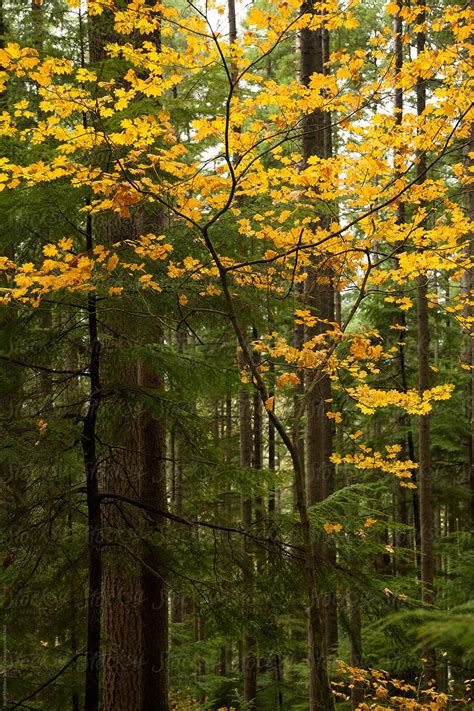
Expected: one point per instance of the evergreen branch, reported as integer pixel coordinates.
(188, 522)
(47, 683)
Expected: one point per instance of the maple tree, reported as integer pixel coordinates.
(284, 205)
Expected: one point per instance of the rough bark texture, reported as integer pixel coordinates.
(122, 594)
(100, 32)
(319, 297)
(135, 607)
(135, 622)
(135, 594)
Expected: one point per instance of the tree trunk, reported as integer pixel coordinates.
(154, 609)
(88, 442)
(471, 344)
(298, 341)
(425, 485)
(468, 312)
(321, 690)
(122, 593)
(319, 297)
(135, 593)
(408, 448)
(135, 619)
(249, 660)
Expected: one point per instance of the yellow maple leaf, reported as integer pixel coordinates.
(269, 403)
(50, 250)
(333, 527)
(112, 262)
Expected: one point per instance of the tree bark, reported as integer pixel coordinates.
(135, 592)
(122, 592)
(400, 494)
(135, 624)
(154, 604)
(94, 519)
(298, 341)
(249, 660)
(319, 297)
(468, 312)
(471, 341)
(424, 439)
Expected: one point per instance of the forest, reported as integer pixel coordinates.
(236, 349)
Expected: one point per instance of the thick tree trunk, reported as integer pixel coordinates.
(135, 593)
(322, 624)
(319, 297)
(135, 619)
(38, 24)
(122, 621)
(100, 32)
